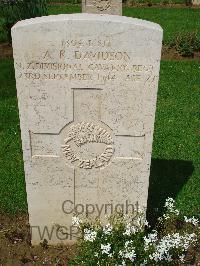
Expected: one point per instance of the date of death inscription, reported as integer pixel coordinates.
(90, 65)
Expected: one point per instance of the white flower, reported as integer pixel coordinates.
(128, 252)
(191, 220)
(130, 229)
(96, 254)
(168, 258)
(76, 221)
(144, 263)
(170, 242)
(151, 238)
(106, 249)
(170, 205)
(182, 257)
(120, 253)
(89, 235)
(155, 256)
(166, 216)
(146, 223)
(131, 255)
(127, 243)
(123, 263)
(107, 229)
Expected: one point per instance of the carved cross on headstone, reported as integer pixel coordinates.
(88, 128)
(87, 142)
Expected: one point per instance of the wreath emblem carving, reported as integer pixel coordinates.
(102, 5)
(84, 133)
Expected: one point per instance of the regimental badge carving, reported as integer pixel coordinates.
(83, 134)
(102, 5)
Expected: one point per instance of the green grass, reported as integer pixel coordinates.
(64, 9)
(3, 34)
(134, 1)
(175, 167)
(12, 185)
(172, 20)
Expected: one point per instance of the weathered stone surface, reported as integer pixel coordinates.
(87, 88)
(112, 7)
(196, 2)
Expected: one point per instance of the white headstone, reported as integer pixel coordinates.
(112, 7)
(87, 88)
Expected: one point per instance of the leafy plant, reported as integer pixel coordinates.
(166, 2)
(186, 43)
(12, 11)
(149, 3)
(129, 240)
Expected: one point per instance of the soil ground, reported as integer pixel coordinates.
(172, 54)
(167, 53)
(15, 247)
(5, 50)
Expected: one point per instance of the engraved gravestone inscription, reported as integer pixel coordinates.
(87, 88)
(196, 2)
(112, 7)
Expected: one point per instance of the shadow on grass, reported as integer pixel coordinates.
(167, 177)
